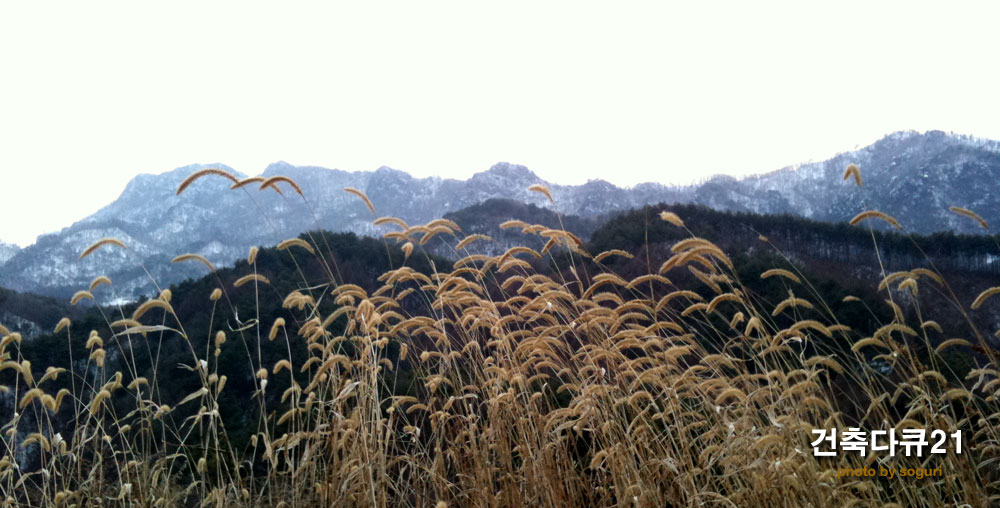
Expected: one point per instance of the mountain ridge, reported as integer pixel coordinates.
(903, 173)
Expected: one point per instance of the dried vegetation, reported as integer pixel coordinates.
(571, 387)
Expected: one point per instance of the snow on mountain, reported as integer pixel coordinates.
(222, 224)
(7, 251)
(912, 176)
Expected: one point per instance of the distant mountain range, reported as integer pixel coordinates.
(912, 176)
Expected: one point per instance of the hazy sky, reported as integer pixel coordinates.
(92, 93)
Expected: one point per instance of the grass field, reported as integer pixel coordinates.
(534, 378)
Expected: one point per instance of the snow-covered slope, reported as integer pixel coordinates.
(7, 251)
(222, 224)
(913, 176)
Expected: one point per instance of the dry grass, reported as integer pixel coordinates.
(574, 389)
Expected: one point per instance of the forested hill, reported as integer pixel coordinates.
(837, 259)
(30, 315)
(804, 239)
(486, 218)
(849, 252)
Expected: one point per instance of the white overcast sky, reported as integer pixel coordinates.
(92, 93)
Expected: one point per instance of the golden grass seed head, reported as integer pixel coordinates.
(98, 281)
(253, 277)
(985, 295)
(100, 243)
(970, 214)
(273, 181)
(204, 172)
(194, 257)
(279, 323)
(541, 189)
(296, 242)
(363, 196)
(81, 295)
(875, 214)
(853, 171)
(672, 218)
(61, 325)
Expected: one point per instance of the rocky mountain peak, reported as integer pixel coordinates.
(509, 171)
